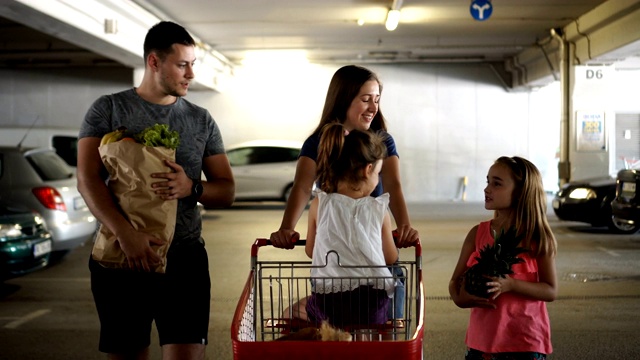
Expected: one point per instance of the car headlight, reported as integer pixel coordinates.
(8, 232)
(582, 194)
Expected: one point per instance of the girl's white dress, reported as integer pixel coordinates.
(352, 228)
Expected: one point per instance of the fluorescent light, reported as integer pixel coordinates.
(110, 26)
(393, 17)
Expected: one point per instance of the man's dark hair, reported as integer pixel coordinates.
(162, 36)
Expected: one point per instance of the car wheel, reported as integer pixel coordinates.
(621, 227)
(617, 226)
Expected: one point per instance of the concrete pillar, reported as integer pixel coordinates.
(564, 164)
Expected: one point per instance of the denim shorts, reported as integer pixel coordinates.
(396, 310)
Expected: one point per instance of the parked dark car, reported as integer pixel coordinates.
(25, 243)
(589, 201)
(40, 180)
(625, 208)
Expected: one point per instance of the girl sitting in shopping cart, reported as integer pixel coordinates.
(349, 234)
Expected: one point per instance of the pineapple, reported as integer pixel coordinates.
(494, 261)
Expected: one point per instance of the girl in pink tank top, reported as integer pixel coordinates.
(509, 318)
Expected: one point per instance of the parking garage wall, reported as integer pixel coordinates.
(450, 121)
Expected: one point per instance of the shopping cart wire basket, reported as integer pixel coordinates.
(264, 310)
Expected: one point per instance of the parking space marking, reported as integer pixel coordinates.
(610, 252)
(14, 324)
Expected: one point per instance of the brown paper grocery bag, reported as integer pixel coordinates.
(130, 166)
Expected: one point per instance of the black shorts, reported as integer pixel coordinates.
(129, 301)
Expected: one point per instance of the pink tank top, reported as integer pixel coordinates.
(518, 324)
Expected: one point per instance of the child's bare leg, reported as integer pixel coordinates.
(297, 311)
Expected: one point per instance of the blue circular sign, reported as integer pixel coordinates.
(481, 9)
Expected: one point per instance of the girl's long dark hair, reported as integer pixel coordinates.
(342, 157)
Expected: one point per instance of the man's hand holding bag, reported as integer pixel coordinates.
(130, 165)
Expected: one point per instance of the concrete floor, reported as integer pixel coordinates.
(50, 314)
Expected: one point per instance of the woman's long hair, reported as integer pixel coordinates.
(343, 88)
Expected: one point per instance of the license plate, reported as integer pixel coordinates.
(556, 204)
(78, 203)
(629, 187)
(42, 248)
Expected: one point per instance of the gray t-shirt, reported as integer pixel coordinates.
(199, 138)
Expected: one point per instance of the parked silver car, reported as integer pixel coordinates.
(264, 169)
(40, 180)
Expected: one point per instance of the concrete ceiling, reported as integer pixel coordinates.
(25, 47)
(328, 30)
(325, 31)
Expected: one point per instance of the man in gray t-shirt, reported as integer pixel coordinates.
(129, 300)
(199, 134)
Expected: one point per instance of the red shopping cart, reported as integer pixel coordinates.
(274, 286)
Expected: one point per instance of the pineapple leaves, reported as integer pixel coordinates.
(494, 260)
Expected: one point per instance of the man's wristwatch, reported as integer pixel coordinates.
(196, 189)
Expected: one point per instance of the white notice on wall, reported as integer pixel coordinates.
(590, 131)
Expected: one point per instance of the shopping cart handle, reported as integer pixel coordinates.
(417, 245)
(302, 242)
(266, 242)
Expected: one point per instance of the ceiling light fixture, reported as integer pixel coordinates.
(393, 16)
(110, 26)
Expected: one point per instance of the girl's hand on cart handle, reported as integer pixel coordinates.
(405, 236)
(284, 238)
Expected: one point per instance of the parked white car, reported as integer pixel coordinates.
(42, 181)
(64, 141)
(264, 169)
